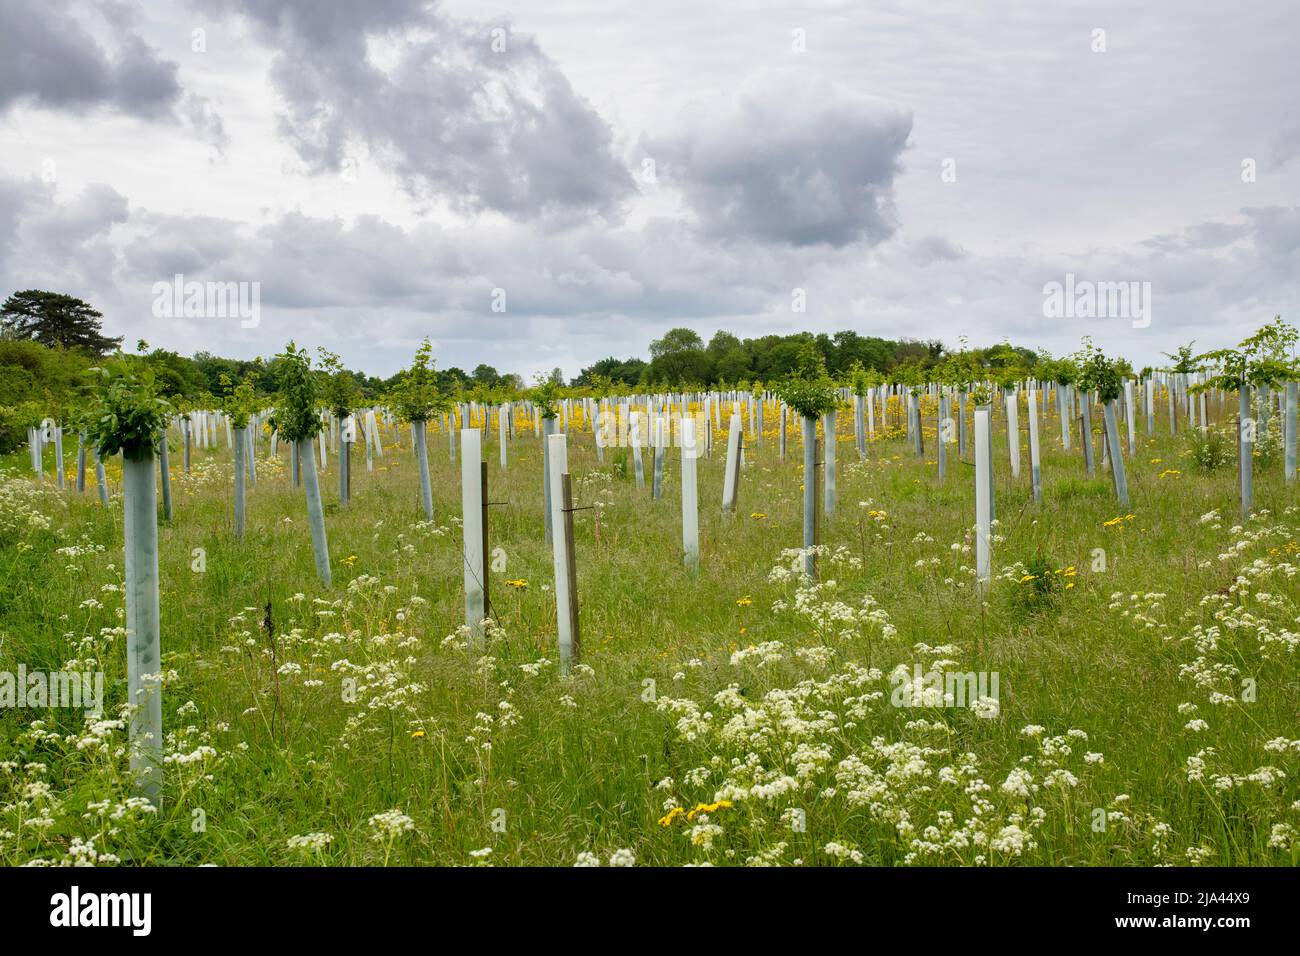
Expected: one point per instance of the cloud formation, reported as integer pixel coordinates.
(791, 158)
(48, 59)
(788, 180)
(468, 112)
(371, 288)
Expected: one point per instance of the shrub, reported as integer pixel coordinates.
(1213, 448)
(1041, 583)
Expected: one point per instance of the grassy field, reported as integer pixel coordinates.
(1148, 681)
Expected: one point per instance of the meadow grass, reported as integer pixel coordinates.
(728, 715)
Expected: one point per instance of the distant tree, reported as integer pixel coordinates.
(679, 358)
(722, 344)
(175, 375)
(54, 319)
(778, 357)
(676, 340)
(486, 376)
(620, 371)
(733, 366)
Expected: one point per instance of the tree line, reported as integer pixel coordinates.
(48, 342)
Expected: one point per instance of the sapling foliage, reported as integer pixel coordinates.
(1101, 375)
(127, 415)
(1260, 360)
(340, 395)
(297, 420)
(415, 399)
(811, 393)
(239, 402)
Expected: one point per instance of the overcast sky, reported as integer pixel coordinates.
(604, 171)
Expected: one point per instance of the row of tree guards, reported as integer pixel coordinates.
(638, 422)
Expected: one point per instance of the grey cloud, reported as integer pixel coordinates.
(48, 59)
(191, 245)
(61, 246)
(16, 198)
(793, 159)
(1286, 146)
(373, 288)
(454, 120)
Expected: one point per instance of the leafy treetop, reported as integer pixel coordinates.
(338, 388)
(126, 414)
(239, 402)
(295, 412)
(546, 396)
(1098, 373)
(1265, 358)
(415, 397)
(809, 391)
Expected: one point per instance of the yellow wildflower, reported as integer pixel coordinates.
(672, 815)
(707, 808)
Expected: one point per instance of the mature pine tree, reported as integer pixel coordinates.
(54, 319)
